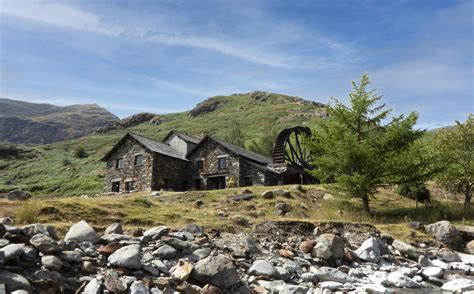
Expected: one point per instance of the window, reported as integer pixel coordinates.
(116, 187)
(138, 160)
(129, 186)
(199, 164)
(119, 163)
(221, 163)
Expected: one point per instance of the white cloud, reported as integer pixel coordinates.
(255, 50)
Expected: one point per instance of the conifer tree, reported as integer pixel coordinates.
(358, 147)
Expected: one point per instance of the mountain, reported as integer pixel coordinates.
(57, 170)
(38, 123)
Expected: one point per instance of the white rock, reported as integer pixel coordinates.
(369, 250)
(372, 289)
(459, 285)
(440, 264)
(330, 285)
(432, 271)
(138, 287)
(82, 232)
(93, 287)
(466, 258)
(401, 281)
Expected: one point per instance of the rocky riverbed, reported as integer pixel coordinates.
(276, 257)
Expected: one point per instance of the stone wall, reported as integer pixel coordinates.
(171, 173)
(259, 177)
(141, 175)
(209, 152)
(180, 145)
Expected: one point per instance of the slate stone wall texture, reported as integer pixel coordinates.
(210, 152)
(171, 173)
(258, 176)
(141, 175)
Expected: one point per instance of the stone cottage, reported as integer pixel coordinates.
(217, 164)
(137, 163)
(182, 162)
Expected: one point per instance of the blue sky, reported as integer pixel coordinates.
(166, 56)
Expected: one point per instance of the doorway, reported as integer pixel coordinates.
(216, 183)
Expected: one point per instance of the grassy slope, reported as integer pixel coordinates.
(54, 170)
(176, 209)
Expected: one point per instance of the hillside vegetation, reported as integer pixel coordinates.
(33, 123)
(54, 169)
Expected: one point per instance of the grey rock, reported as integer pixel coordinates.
(30, 254)
(160, 266)
(448, 255)
(177, 243)
(116, 238)
(45, 244)
(469, 247)
(330, 285)
(14, 281)
(281, 192)
(113, 283)
(88, 267)
(51, 262)
(267, 195)
(446, 233)
(12, 251)
(401, 281)
(202, 252)
(138, 287)
(216, 270)
(369, 250)
(282, 287)
(71, 256)
(127, 257)
(2, 257)
(82, 232)
(325, 273)
(156, 232)
(3, 230)
(18, 195)
(282, 208)
(31, 230)
(115, 228)
(264, 268)
(406, 249)
(328, 247)
(6, 221)
(165, 252)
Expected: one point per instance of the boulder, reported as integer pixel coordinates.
(138, 287)
(242, 197)
(14, 282)
(328, 246)
(446, 233)
(433, 272)
(12, 251)
(193, 229)
(113, 283)
(181, 271)
(71, 256)
(401, 281)
(127, 257)
(6, 221)
(264, 268)
(165, 252)
(282, 208)
(406, 249)
(469, 247)
(369, 250)
(216, 270)
(93, 287)
(31, 230)
(325, 273)
(18, 195)
(51, 262)
(281, 192)
(267, 195)
(156, 232)
(82, 232)
(115, 228)
(45, 244)
(459, 285)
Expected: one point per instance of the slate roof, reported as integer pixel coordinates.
(152, 145)
(182, 136)
(237, 150)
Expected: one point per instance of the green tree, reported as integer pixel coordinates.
(264, 144)
(454, 147)
(358, 147)
(235, 135)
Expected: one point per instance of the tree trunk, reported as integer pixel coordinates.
(365, 200)
(467, 195)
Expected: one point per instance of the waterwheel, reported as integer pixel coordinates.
(290, 148)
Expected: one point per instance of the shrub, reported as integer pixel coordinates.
(66, 161)
(27, 215)
(415, 191)
(80, 152)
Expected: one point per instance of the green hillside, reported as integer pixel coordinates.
(55, 169)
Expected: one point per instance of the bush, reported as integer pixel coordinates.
(80, 152)
(66, 161)
(415, 191)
